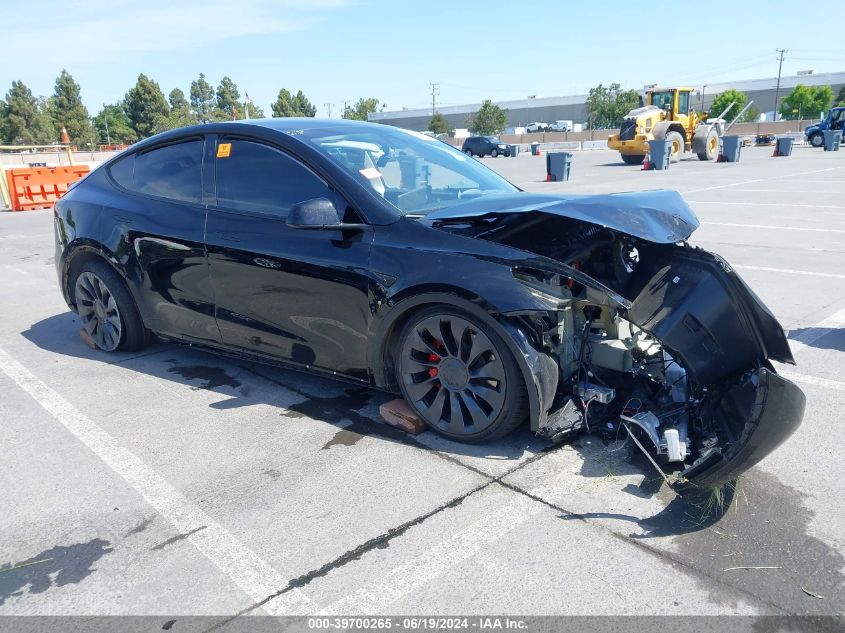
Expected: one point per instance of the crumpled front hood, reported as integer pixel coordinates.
(661, 216)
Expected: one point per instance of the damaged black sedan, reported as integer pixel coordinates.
(391, 259)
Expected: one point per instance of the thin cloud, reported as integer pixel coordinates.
(94, 30)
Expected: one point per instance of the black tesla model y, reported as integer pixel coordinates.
(391, 259)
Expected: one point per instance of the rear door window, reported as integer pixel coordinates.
(252, 176)
(172, 171)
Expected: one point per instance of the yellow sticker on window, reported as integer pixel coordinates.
(223, 150)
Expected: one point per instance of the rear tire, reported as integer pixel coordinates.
(458, 375)
(468, 152)
(632, 159)
(107, 310)
(494, 153)
(677, 142)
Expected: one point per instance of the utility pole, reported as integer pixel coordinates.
(345, 105)
(433, 88)
(777, 88)
(329, 109)
(106, 121)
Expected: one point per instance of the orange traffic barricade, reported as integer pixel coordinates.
(40, 187)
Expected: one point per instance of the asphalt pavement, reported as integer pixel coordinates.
(172, 482)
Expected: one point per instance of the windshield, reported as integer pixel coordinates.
(662, 99)
(415, 173)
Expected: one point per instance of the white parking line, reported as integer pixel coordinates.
(804, 173)
(773, 227)
(257, 578)
(826, 383)
(732, 184)
(379, 594)
(788, 271)
(813, 333)
(768, 204)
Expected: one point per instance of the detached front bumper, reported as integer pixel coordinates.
(638, 146)
(770, 406)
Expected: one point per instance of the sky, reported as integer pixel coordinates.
(337, 51)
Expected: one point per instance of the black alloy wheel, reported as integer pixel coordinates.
(461, 380)
(98, 311)
(107, 310)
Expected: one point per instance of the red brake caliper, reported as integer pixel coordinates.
(434, 358)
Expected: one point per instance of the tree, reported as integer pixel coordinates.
(228, 98)
(113, 126)
(751, 114)
(177, 100)
(145, 105)
(288, 105)
(174, 119)
(806, 102)
(840, 98)
(439, 125)
(302, 106)
(283, 106)
(66, 110)
(254, 111)
(724, 99)
(608, 105)
(490, 119)
(24, 119)
(361, 109)
(202, 98)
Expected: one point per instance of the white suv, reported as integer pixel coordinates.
(537, 126)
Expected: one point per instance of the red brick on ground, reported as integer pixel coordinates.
(397, 413)
(83, 334)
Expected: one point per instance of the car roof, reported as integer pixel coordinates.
(283, 125)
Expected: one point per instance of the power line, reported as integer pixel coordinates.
(782, 51)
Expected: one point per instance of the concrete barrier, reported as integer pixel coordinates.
(594, 145)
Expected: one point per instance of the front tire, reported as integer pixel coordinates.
(632, 159)
(817, 139)
(494, 153)
(677, 142)
(459, 376)
(107, 310)
(711, 146)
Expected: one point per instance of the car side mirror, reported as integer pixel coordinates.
(318, 213)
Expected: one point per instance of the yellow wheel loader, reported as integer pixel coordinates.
(667, 114)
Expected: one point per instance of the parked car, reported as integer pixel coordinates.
(835, 120)
(387, 258)
(485, 146)
(561, 126)
(536, 126)
(765, 139)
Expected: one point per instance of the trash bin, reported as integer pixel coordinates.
(731, 146)
(832, 139)
(659, 152)
(411, 171)
(783, 146)
(535, 149)
(557, 166)
(514, 149)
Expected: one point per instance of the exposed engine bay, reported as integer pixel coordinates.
(657, 341)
